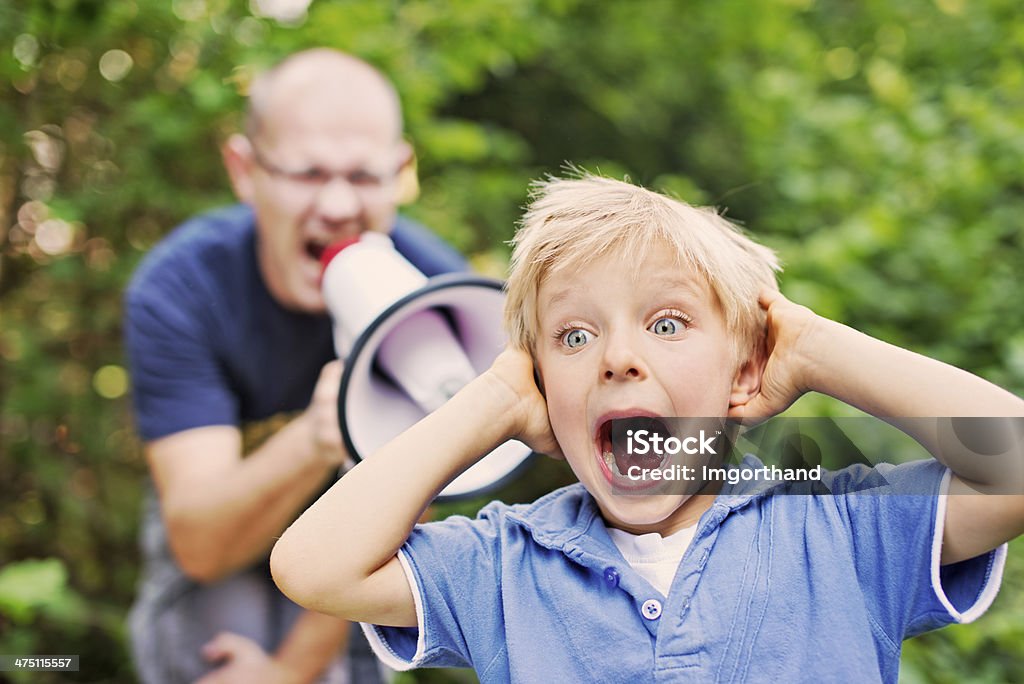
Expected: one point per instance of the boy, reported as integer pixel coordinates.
(628, 304)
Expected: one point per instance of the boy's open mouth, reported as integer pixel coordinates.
(614, 443)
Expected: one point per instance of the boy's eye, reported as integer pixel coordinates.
(575, 338)
(665, 326)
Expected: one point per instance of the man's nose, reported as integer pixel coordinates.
(338, 200)
(621, 360)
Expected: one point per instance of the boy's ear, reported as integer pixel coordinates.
(538, 379)
(747, 382)
(236, 153)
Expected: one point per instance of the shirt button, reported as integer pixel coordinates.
(611, 576)
(651, 609)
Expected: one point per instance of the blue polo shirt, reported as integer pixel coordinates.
(783, 588)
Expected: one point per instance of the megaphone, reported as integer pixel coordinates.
(409, 344)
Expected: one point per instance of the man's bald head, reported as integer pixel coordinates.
(319, 163)
(323, 79)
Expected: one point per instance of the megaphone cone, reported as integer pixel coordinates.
(409, 344)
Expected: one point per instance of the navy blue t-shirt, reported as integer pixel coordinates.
(208, 345)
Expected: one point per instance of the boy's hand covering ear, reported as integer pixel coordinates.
(787, 369)
(513, 373)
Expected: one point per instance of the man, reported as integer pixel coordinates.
(225, 327)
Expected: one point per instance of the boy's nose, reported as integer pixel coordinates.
(621, 362)
(612, 374)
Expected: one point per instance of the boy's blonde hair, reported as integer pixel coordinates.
(572, 221)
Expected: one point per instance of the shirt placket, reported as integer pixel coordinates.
(680, 649)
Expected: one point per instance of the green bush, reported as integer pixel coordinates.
(876, 145)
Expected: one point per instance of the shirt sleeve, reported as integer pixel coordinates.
(177, 381)
(453, 571)
(897, 544)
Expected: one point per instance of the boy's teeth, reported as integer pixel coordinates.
(609, 460)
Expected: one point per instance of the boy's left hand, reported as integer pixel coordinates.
(791, 329)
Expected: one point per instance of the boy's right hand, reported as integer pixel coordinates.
(511, 375)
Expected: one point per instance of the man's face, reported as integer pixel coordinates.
(611, 346)
(316, 179)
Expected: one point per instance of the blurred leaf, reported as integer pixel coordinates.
(31, 586)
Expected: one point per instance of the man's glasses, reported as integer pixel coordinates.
(315, 177)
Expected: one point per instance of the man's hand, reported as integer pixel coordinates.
(512, 375)
(322, 415)
(790, 329)
(244, 662)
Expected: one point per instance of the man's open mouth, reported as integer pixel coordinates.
(625, 457)
(314, 249)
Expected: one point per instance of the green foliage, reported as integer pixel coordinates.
(877, 145)
(29, 586)
(36, 598)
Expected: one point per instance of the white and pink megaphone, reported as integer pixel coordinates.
(409, 344)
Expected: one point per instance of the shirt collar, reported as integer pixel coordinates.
(569, 520)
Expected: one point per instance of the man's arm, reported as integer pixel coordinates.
(223, 511)
(306, 652)
(313, 642)
(811, 353)
(369, 513)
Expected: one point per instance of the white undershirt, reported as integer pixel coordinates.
(656, 558)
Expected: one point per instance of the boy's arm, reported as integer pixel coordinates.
(339, 557)
(808, 352)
